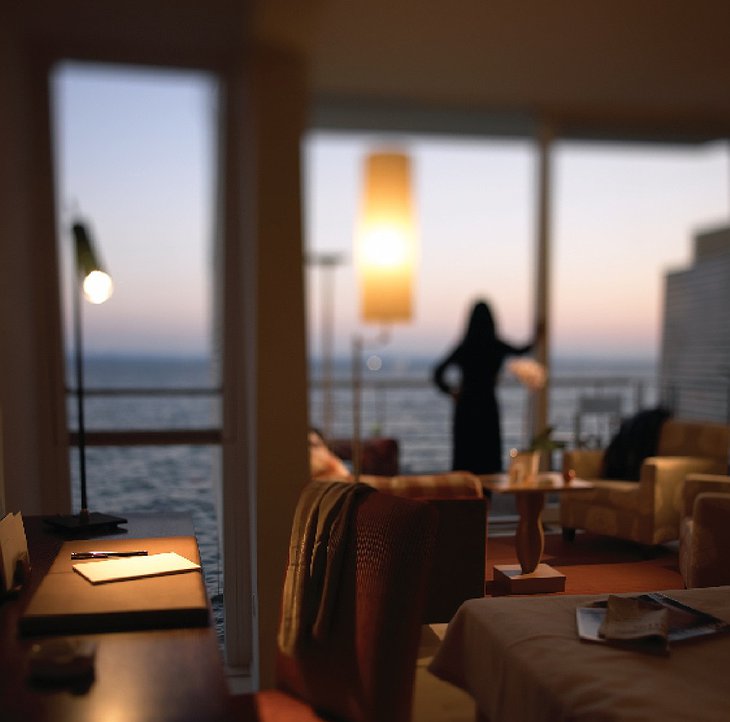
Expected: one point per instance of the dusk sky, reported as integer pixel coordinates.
(135, 156)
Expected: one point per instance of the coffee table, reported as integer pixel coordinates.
(530, 576)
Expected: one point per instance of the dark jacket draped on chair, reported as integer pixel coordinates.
(316, 551)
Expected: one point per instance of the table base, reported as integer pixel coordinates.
(544, 580)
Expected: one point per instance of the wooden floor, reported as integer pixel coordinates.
(592, 565)
(595, 565)
(434, 700)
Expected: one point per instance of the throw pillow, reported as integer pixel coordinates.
(323, 464)
(636, 439)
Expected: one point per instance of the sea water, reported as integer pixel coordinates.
(154, 479)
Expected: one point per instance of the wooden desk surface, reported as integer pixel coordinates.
(171, 675)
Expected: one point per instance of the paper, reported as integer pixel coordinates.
(639, 624)
(113, 570)
(634, 618)
(14, 559)
(67, 603)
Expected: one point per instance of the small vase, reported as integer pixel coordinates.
(524, 466)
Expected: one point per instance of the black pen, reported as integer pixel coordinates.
(106, 554)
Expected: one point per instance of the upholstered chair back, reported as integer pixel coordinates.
(704, 539)
(695, 438)
(364, 670)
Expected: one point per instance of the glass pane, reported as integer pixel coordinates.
(621, 216)
(135, 164)
(473, 243)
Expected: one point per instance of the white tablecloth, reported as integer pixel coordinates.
(522, 661)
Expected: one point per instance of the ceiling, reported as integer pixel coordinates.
(602, 68)
(648, 69)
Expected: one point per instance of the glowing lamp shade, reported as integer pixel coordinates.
(97, 287)
(385, 243)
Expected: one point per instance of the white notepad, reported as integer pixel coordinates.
(114, 570)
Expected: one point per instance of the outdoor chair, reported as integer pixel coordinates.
(459, 562)
(596, 419)
(364, 668)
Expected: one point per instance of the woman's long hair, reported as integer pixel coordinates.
(480, 330)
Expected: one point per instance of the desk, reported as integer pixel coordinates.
(521, 659)
(172, 675)
(530, 576)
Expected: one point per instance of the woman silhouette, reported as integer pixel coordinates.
(477, 439)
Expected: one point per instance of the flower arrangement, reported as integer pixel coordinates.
(533, 375)
(528, 372)
(525, 464)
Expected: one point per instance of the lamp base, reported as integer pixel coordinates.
(83, 523)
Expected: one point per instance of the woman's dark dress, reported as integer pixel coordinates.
(477, 439)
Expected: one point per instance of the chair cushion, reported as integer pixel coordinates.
(614, 494)
(615, 508)
(449, 485)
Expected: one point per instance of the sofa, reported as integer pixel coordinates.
(378, 455)
(704, 531)
(458, 565)
(646, 510)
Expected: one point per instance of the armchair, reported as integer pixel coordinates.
(459, 560)
(458, 563)
(648, 510)
(361, 665)
(704, 532)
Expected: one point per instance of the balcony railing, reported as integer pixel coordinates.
(118, 428)
(409, 409)
(414, 412)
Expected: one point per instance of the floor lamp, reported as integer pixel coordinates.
(385, 258)
(328, 263)
(94, 284)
